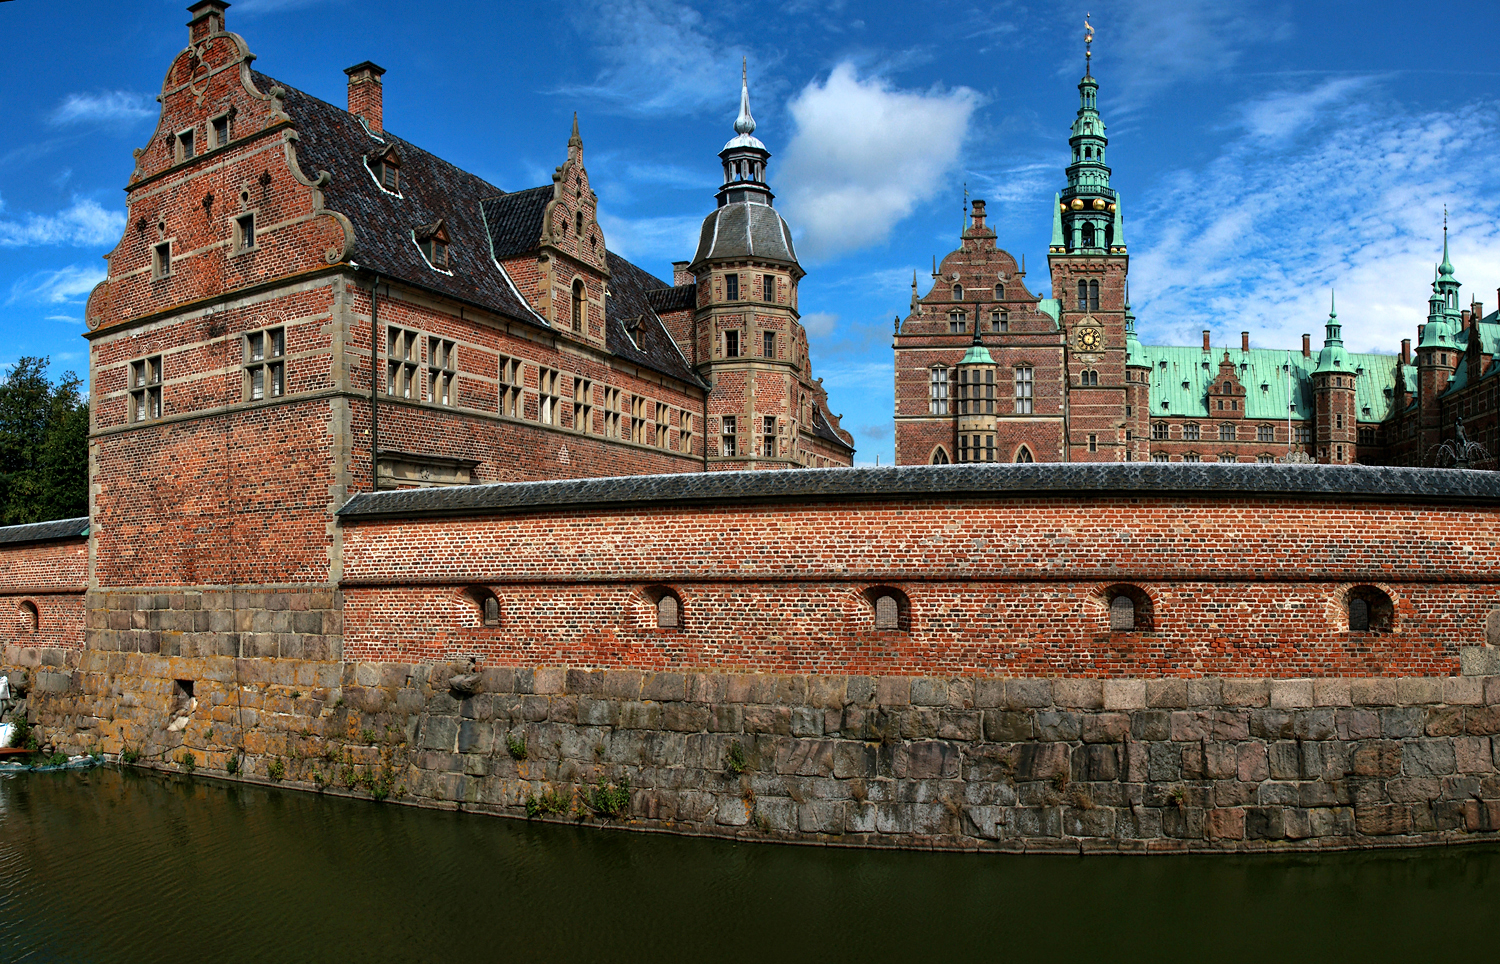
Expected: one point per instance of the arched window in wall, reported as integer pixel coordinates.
(1083, 296)
(486, 606)
(578, 223)
(1093, 296)
(1000, 292)
(578, 305)
(1023, 454)
(1369, 610)
(940, 456)
(958, 292)
(668, 612)
(890, 608)
(31, 620)
(1130, 609)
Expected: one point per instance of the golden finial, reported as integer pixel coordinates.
(1088, 40)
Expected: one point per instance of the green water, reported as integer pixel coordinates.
(108, 866)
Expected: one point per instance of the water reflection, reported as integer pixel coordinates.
(106, 866)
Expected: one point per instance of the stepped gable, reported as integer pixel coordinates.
(646, 341)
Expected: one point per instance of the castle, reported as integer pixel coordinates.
(988, 371)
(315, 338)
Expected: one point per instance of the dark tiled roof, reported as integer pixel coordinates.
(629, 307)
(515, 220)
(681, 298)
(745, 229)
(475, 213)
(822, 429)
(46, 531)
(894, 484)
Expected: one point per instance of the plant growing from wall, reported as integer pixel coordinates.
(232, 765)
(735, 758)
(551, 801)
(186, 762)
(130, 756)
(516, 746)
(610, 799)
(276, 769)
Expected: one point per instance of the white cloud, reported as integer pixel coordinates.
(69, 285)
(1286, 113)
(1254, 239)
(864, 155)
(667, 238)
(853, 375)
(819, 324)
(658, 59)
(84, 224)
(108, 107)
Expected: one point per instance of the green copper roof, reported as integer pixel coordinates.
(1180, 378)
(1050, 307)
(1436, 334)
(1333, 357)
(1057, 231)
(977, 355)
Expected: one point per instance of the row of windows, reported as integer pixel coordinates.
(958, 292)
(1264, 457)
(981, 448)
(767, 287)
(734, 344)
(1367, 609)
(263, 366)
(183, 144)
(958, 321)
(763, 445)
(938, 392)
(1228, 432)
(243, 240)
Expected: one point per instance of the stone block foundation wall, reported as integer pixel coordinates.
(1068, 765)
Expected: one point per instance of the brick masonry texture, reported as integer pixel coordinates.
(1067, 765)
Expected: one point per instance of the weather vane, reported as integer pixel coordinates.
(1088, 40)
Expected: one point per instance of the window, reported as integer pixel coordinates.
(145, 389)
(1159, 430)
(265, 372)
(732, 287)
(31, 620)
(1024, 385)
(440, 371)
(612, 413)
(1130, 610)
(768, 344)
(1265, 458)
(401, 363)
(486, 606)
(768, 436)
(999, 292)
(1192, 457)
(1083, 296)
(579, 306)
(387, 171)
(510, 387)
(685, 432)
(768, 287)
(1190, 431)
(989, 391)
(958, 292)
(989, 448)
(728, 448)
(963, 448)
(1088, 377)
(1369, 610)
(637, 420)
(1304, 434)
(958, 322)
(244, 232)
(1093, 443)
(1339, 453)
(578, 223)
(1160, 457)
(435, 250)
(1226, 433)
(1338, 421)
(1023, 454)
(663, 425)
(1000, 320)
(938, 391)
(161, 260)
(887, 612)
(583, 405)
(668, 612)
(1093, 295)
(1265, 433)
(185, 145)
(1121, 614)
(940, 456)
(546, 388)
(732, 343)
(223, 129)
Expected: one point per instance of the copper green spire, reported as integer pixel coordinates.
(1333, 357)
(1088, 206)
(1446, 284)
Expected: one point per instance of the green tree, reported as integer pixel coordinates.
(44, 445)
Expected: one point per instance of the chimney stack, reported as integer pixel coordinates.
(978, 212)
(1406, 351)
(1306, 346)
(364, 94)
(1205, 340)
(208, 18)
(680, 275)
(1244, 341)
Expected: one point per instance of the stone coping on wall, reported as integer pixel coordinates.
(45, 531)
(901, 483)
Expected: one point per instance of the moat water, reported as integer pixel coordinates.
(106, 866)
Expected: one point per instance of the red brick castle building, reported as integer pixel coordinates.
(989, 371)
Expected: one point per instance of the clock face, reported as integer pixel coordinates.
(1090, 339)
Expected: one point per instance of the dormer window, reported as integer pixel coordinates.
(432, 241)
(385, 167)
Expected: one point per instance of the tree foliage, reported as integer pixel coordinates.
(44, 445)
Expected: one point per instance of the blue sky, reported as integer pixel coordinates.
(1264, 152)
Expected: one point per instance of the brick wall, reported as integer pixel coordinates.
(48, 579)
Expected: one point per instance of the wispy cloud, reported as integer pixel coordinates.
(667, 238)
(658, 58)
(864, 155)
(820, 324)
(1253, 241)
(69, 285)
(1159, 42)
(854, 375)
(103, 107)
(1283, 114)
(84, 224)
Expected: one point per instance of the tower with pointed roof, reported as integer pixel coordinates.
(1335, 420)
(764, 409)
(1089, 264)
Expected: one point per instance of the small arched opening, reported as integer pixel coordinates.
(31, 619)
(940, 456)
(958, 292)
(1023, 454)
(666, 607)
(889, 608)
(1130, 609)
(578, 305)
(1369, 610)
(485, 605)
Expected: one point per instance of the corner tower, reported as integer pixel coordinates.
(1335, 418)
(1089, 265)
(764, 408)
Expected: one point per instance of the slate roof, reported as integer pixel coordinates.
(1084, 480)
(823, 430)
(483, 222)
(745, 229)
(45, 531)
(681, 298)
(629, 307)
(1172, 366)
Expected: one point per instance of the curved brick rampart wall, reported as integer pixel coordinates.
(1007, 569)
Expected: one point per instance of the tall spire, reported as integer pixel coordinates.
(1333, 357)
(745, 123)
(1089, 215)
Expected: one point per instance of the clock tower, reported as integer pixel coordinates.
(1089, 264)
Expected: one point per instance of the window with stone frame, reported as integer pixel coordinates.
(768, 344)
(768, 436)
(1160, 457)
(1304, 434)
(1025, 386)
(583, 405)
(1265, 458)
(580, 304)
(768, 288)
(511, 387)
(958, 292)
(728, 445)
(223, 128)
(441, 370)
(1093, 296)
(612, 412)
(1265, 433)
(547, 381)
(638, 424)
(265, 366)
(244, 232)
(145, 389)
(1192, 457)
(732, 343)
(161, 260)
(1159, 431)
(1000, 292)
(731, 287)
(184, 145)
(1083, 296)
(1226, 432)
(1190, 431)
(958, 322)
(403, 359)
(685, 432)
(937, 391)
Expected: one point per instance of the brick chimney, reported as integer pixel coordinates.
(1306, 346)
(1244, 341)
(978, 215)
(208, 18)
(680, 275)
(364, 94)
(1205, 340)
(1406, 351)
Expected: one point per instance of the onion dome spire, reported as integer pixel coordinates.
(1333, 357)
(745, 123)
